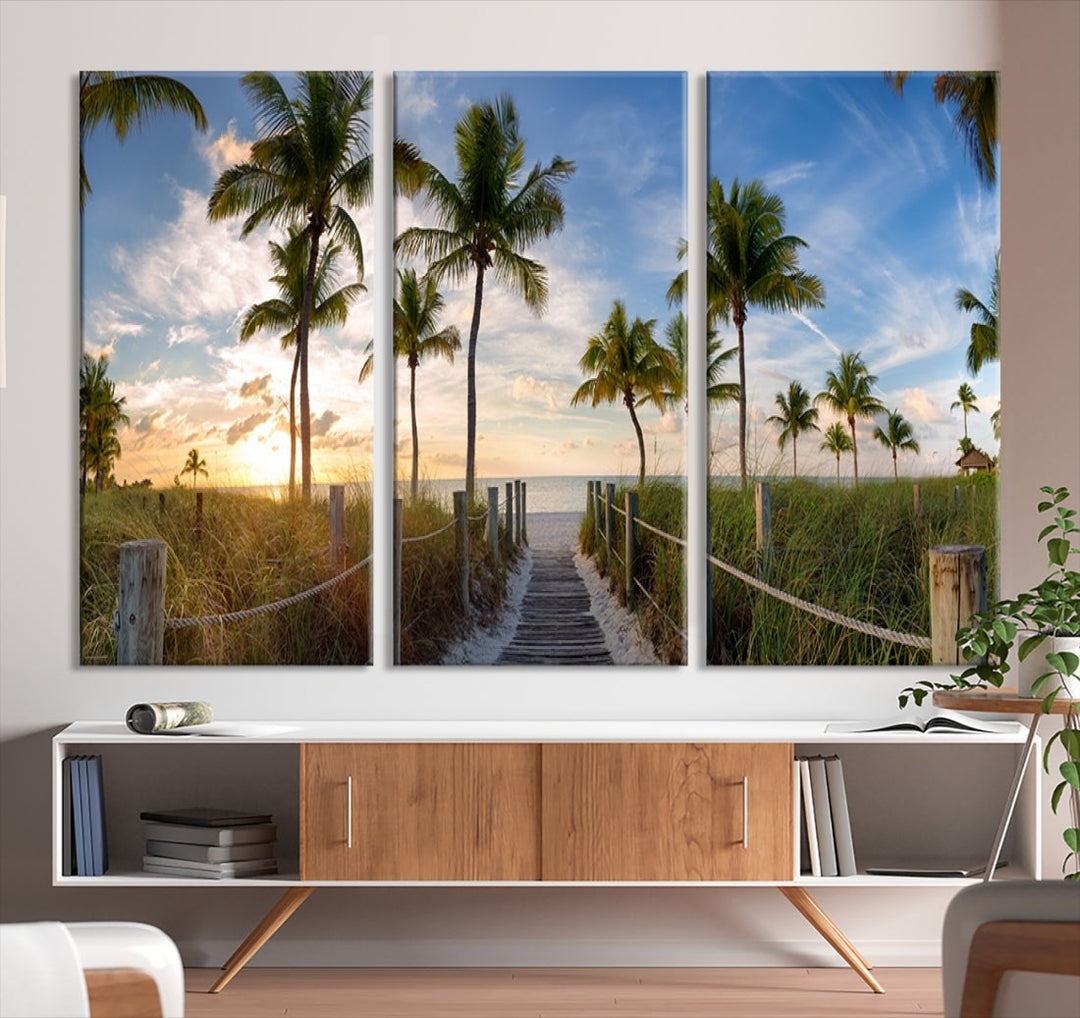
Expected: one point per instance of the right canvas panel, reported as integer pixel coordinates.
(852, 277)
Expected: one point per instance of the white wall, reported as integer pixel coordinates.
(44, 44)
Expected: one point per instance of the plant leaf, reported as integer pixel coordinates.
(1071, 773)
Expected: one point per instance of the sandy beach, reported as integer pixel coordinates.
(556, 531)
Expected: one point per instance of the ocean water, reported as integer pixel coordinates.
(557, 494)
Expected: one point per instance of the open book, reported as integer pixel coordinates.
(929, 721)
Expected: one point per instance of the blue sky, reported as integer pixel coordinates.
(163, 292)
(881, 190)
(625, 210)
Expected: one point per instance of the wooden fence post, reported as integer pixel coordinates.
(609, 521)
(161, 502)
(589, 502)
(198, 515)
(956, 496)
(140, 638)
(517, 517)
(598, 523)
(524, 516)
(957, 591)
(461, 531)
(493, 523)
(337, 526)
(396, 542)
(916, 495)
(509, 540)
(763, 512)
(630, 548)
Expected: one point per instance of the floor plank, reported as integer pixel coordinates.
(564, 993)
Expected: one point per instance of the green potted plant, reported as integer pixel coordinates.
(1043, 625)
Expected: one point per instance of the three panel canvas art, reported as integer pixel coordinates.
(546, 357)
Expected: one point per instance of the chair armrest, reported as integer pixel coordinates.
(1023, 946)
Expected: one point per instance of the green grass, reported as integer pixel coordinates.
(249, 551)
(861, 552)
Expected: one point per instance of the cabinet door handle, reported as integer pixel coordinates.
(348, 812)
(745, 812)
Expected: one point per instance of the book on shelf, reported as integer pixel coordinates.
(80, 817)
(934, 868)
(99, 851)
(208, 870)
(67, 836)
(206, 816)
(810, 821)
(819, 787)
(191, 835)
(931, 722)
(841, 817)
(210, 853)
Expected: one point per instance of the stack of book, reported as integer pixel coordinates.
(829, 850)
(214, 844)
(86, 850)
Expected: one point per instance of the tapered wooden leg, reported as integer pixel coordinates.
(270, 923)
(816, 916)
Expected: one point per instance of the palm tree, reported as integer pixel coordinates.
(626, 363)
(417, 337)
(194, 466)
(750, 262)
(847, 393)
(716, 390)
(796, 416)
(310, 165)
(330, 307)
(985, 343)
(101, 413)
(486, 219)
(836, 441)
(973, 95)
(967, 401)
(897, 436)
(126, 101)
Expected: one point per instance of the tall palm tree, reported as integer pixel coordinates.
(417, 337)
(750, 262)
(101, 413)
(984, 345)
(311, 164)
(847, 393)
(836, 441)
(967, 401)
(330, 307)
(126, 101)
(897, 436)
(973, 96)
(485, 220)
(716, 390)
(796, 415)
(194, 465)
(625, 362)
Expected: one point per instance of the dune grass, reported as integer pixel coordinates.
(247, 551)
(862, 552)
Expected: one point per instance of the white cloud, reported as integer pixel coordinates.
(226, 150)
(187, 333)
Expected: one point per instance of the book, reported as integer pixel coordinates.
(166, 870)
(210, 853)
(80, 816)
(808, 814)
(205, 816)
(929, 721)
(190, 868)
(96, 803)
(67, 836)
(841, 817)
(244, 835)
(934, 868)
(819, 787)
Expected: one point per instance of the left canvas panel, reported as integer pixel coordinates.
(226, 252)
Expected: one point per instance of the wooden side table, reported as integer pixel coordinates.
(1006, 701)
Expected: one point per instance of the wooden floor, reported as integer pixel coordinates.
(557, 626)
(563, 993)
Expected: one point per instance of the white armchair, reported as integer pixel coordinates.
(79, 970)
(1011, 949)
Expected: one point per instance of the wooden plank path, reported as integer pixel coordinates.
(557, 626)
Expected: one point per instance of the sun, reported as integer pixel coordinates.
(263, 458)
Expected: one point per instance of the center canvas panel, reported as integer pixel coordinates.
(540, 368)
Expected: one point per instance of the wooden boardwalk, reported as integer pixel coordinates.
(557, 626)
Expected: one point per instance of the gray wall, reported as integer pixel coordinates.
(44, 45)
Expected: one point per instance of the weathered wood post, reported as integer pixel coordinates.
(763, 531)
(957, 591)
(396, 551)
(198, 515)
(140, 637)
(509, 538)
(598, 521)
(956, 496)
(609, 522)
(161, 502)
(517, 516)
(337, 526)
(493, 523)
(461, 540)
(588, 501)
(524, 516)
(916, 495)
(630, 548)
